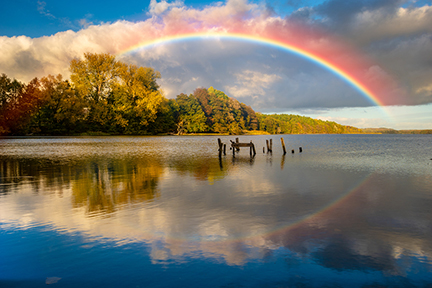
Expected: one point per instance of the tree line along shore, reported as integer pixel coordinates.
(105, 96)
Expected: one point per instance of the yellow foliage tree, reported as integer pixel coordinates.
(121, 98)
(138, 97)
(94, 76)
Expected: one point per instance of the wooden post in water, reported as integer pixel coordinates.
(271, 145)
(220, 147)
(264, 150)
(252, 149)
(283, 162)
(267, 143)
(300, 149)
(283, 146)
(224, 149)
(292, 151)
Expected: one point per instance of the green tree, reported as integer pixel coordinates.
(165, 118)
(229, 115)
(192, 118)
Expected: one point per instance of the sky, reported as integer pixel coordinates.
(387, 44)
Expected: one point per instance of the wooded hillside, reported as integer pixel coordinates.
(108, 97)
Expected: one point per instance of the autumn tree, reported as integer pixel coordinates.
(61, 110)
(226, 114)
(202, 95)
(136, 98)
(19, 103)
(120, 98)
(10, 91)
(94, 78)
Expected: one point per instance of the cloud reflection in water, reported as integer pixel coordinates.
(312, 207)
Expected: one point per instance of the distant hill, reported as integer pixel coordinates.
(295, 124)
(212, 111)
(393, 131)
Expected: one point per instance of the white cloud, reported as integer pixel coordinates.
(157, 8)
(372, 25)
(42, 10)
(251, 84)
(85, 23)
(400, 43)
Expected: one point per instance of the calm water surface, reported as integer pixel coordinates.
(350, 211)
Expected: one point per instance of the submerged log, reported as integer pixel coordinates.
(242, 144)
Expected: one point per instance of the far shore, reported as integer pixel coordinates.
(367, 131)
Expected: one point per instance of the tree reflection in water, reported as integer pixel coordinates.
(100, 185)
(107, 185)
(103, 185)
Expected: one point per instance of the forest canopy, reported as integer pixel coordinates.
(105, 96)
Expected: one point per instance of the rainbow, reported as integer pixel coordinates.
(324, 212)
(299, 224)
(350, 69)
(349, 73)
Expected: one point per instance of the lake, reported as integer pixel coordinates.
(349, 211)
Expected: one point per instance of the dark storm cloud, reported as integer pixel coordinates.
(340, 12)
(397, 34)
(265, 78)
